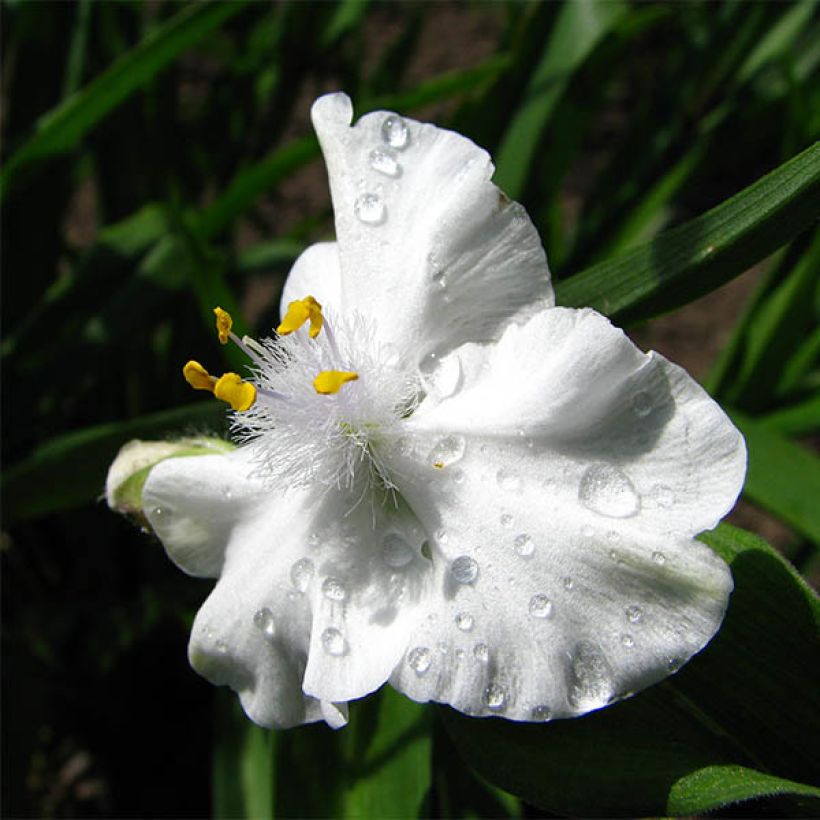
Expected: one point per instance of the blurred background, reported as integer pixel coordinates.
(158, 160)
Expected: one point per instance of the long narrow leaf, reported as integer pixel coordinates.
(688, 261)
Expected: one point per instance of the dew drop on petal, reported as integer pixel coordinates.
(369, 209)
(384, 161)
(395, 132)
(448, 376)
(524, 545)
(540, 712)
(419, 659)
(642, 404)
(634, 614)
(458, 476)
(448, 450)
(263, 621)
(333, 589)
(495, 697)
(659, 558)
(628, 641)
(589, 678)
(568, 583)
(607, 490)
(540, 606)
(333, 641)
(396, 552)
(464, 621)
(159, 511)
(313, 539)
(481, 652)
(301, 574)
(508, 481)
(464, 569)
(221, 647)
(663, 496)
(506, 520)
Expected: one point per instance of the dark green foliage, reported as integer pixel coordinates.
(158, 160)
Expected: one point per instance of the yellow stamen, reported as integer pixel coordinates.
(439, 465)
(198, 377)
(299, 312)
(232, 389)
(224, 323)
(331, 381)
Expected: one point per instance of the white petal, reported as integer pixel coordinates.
(538, 612)
(193, 504)
(370, 581)
(315, 273)
(429, 246)
(629, 433)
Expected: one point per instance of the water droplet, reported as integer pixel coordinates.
(440, 279)
(540, 606)
(427, 550)
(481, 652)
(568, 583)
(369, 209)
(673, 664)
(313, 539)
(464, 569)
(613, 537)
(395, 132)
(333, 641)
(464, 621)
(589, 678)
(607, 490)
(628, 641)
(634, 614)
(659, 558)
(447, 451)
(384, 161)
(396, 551)
(221, 647)
(449, 376)
(334, 589)
(301, 574)
(524, 545)
(508, 481)
(506, 520)
(459, 653)
(294, 595)
(419, 660)
(263, 621)
(495, 697)
(663, 496)
(227, 493)
(540, 712)
(159, 512)
(458, 476)
(642, 404)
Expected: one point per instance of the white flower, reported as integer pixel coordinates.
(491, 503)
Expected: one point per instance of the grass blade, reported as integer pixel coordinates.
(688, 261)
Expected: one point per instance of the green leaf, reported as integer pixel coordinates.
(70, 470)
(686, 262)
(799, 419)
(244, 758)
(579, 27)
(783, 477)
(714, 733)
(378, 766)
(61, 129)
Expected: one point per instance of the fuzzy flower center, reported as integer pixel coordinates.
(323, 402)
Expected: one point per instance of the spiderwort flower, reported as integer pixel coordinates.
(444, 481)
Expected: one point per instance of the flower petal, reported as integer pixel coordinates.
(371, 581)
(541, 608)
(629, 433)
(193, 504)
(428, 245)
(315, 273)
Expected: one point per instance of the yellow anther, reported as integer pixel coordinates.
(299, 312)
(331, 381)
(198, 377)
(224, 323)
(439, 465)
(235, 391)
